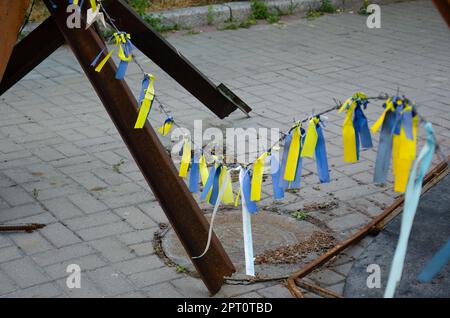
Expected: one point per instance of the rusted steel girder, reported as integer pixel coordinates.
(177, 202)
(219, 99)
(444, 8)
(30, 52)
(11, 19)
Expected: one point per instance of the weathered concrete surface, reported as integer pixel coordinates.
(431, 230)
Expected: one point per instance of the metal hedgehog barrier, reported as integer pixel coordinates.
(294, 282)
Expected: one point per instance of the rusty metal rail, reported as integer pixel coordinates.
(21, 227)
(294, 281)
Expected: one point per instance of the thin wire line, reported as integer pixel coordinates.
(382, 96)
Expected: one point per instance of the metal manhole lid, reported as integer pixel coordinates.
(270, 232)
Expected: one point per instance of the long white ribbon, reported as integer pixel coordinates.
(247, 230)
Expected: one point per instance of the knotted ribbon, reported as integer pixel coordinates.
(355, 127)
(167, 126)
(146, 99)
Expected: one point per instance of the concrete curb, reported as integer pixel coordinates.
(240, 11)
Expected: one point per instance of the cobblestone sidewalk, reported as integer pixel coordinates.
(63, 163)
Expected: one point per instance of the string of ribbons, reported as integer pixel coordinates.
(397, 124)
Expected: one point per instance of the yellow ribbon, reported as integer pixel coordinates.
(93, 5)
(348, 132)
(258, 171)
(377, 125)
(165, 128)
(403, 155)
(310, 139)
(103, 62)
(227, 197)
(186, 158)
(292, 159)
(146, 103)
(204, 174)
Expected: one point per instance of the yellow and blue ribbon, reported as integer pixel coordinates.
(355, 130)
(146, 99)
(315, 145)
(167, 126)
(386, 122)
(125, 48)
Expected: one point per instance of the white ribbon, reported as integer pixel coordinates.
(247, 230)
(216, 208)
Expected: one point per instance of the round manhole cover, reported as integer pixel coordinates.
(281, 244)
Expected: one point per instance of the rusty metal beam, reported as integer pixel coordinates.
(444, 8)
(219, 99)
(180, 207)
(30, 52)
(11, 19)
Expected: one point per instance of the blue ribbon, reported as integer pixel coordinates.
(384, 149)
(283, 184)
(215, 189)
(321, 157)
(436, 264)
(127, 48)
(194, 175)
(209, 182)
(275, 168)
(407, 124)
(246, 190)
(362, 132)
(144, 86)
(95, 61)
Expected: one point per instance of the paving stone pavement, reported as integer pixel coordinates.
(58, 148)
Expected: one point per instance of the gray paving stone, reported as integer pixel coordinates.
(6, 284)
(87, 203)
(110, 281)
(20, 212)
(62, 208)
(92, 220)
(9, 253)
(86, 263)
(276, 291)
(47, 290)
(88, 289)
(97, 232)
(135, 218)
(164, 290)
(140, 264)
(153, 277)
(112, 249)
(31, 243)
(59, 235)
(190, 287)
(24, 272)
(62, 254)
(15, 196)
